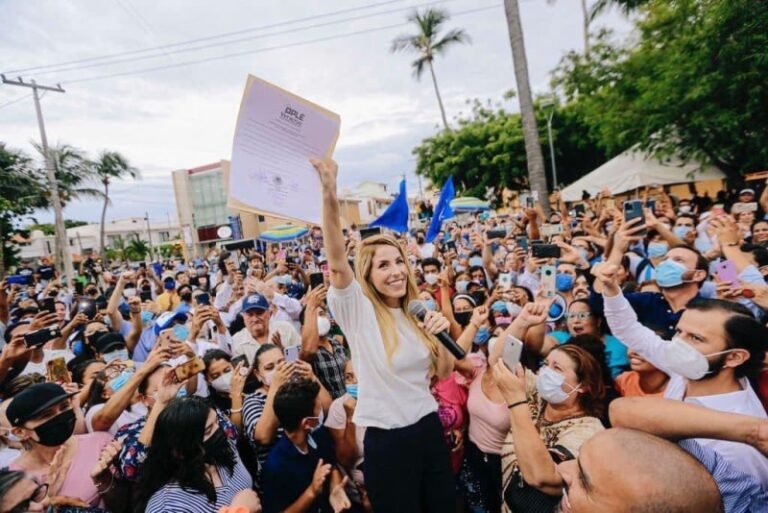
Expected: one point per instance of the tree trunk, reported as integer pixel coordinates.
(103, 218)
(585, 13)
(439, 98)
(534, 158)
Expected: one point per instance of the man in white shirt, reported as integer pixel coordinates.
(717, 347)
(261, 328)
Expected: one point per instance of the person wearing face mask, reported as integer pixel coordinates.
(113, 400)
(348, 439)
(551, 415)
(169, 300)
(679, 276)
(565, 279)
(155, 392)
(303, 459)
(192, 464)
(459, 313)
(185, 297)
(44, 420)
(261, 425)
(717, 348)
(226, 384)
(326, 355)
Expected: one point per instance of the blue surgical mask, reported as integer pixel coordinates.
(482, 336)
(119, 382)
(476, 261)
(459, 268)
(583, 253)
(431, 305)
(657, 249)
(78, 347)
(670, 273)
(107, 321)
(681, 231)
(181, 332)
(563, 282)
(120, 354)
(146, 317)
(461, 286)
(352, 390)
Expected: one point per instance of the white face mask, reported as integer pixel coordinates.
(430, 278)
(267, 379)
(323, 326)
(120, 354)
(682, 358)
(549, 383)
(129, 293)
(223, 383)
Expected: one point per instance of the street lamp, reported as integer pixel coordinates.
(549, 104)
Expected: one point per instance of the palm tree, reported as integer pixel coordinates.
(534, 158)
(73, 173)
(137, 250)
(587, 18)
(626, 6)
(427, 43)
(110, 166)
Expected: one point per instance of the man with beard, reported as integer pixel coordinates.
(717, 348)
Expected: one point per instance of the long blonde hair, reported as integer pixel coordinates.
(363, 266)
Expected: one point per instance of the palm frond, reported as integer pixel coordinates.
(418, 67)
(453, 36)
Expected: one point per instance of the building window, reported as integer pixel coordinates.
(165, 236)
(261, 219)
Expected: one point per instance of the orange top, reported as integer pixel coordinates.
(628, 385)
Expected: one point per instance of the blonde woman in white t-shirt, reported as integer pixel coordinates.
(407, 464)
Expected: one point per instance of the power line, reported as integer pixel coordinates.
(265, 49)
(241, 40)
(207, 38)
(8, 104)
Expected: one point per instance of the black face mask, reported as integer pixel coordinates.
(187, 296)
(53, 293)
(420, 240)
(93, 337)
(217, 447)
(92, 292)
(463, 318)
(57, 430)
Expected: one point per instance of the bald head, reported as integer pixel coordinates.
(643, 474)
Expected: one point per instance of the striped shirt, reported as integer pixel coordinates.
(253, 408)
(741, 492)
(171, 498)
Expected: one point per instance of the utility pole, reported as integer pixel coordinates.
(63, 257)
(149, 236)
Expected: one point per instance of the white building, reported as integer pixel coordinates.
(84, 240)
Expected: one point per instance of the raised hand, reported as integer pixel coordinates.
(510, 384)
(338, 497)
(327, 170)
(608, 274)
(321, 474)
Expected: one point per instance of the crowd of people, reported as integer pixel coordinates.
(615, 361)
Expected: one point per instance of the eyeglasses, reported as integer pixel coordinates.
(579, 315)
(37, 496)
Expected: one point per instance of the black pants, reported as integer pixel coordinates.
(482, 479)
(408, 470)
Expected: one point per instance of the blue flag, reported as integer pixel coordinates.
(396, 216)
(443, 209)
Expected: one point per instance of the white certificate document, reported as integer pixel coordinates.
(276, 134)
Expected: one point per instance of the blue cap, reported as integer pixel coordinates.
(167, 319)
(255, 302)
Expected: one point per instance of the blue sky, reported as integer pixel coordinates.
(184, 115)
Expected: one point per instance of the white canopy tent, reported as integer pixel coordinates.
(634, 169)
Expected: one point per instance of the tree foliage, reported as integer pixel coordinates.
(694, 84)
(487, 150)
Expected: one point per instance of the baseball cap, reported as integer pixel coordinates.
(109, 341)
(167, 319)
(255, 302)
(34, 400)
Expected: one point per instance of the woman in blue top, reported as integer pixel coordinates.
(581, 321)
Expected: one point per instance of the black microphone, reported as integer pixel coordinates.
(419, 309)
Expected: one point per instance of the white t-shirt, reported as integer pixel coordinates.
(138, 410)
(390, 395)
(244, 343)
(48, 355)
